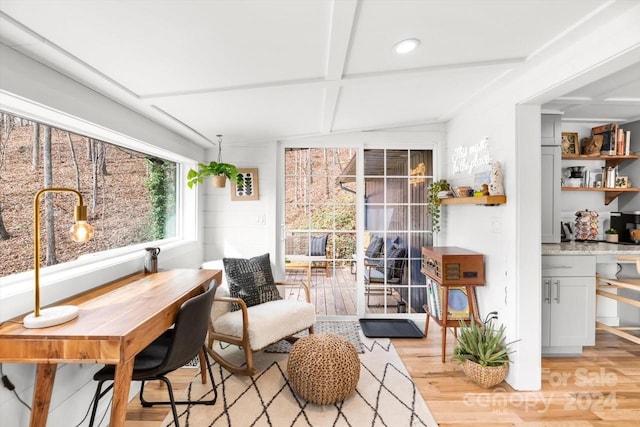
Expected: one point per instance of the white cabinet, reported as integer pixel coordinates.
(568, 303)
(551, 132)
(551, 171)
(550, 195)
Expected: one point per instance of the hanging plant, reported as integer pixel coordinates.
(434, 202)
(218, 170)
(213, 169)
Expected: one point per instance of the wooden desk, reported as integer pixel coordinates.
(116, 322)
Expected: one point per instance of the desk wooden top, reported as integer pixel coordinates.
(116, 320)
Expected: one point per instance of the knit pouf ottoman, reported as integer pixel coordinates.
(323, 368)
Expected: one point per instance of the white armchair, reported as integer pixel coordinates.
(254, 328)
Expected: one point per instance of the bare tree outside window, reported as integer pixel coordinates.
(112, 179)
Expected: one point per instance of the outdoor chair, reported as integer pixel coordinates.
(172, 350)
(380, 276)
(253, 327)
(312, 249)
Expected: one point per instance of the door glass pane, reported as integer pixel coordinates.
(395, 210)
(320, 205)
(320, 235)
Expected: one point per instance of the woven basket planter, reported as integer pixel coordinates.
(323, 368)
(219, 181)
(485, 376)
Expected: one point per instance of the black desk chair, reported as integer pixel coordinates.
(172, 350)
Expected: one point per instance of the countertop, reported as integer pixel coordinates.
(595, 248)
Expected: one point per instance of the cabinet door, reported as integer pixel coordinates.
(572, 311)
(551, 132)
(550, 197)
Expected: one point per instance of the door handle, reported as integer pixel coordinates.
(547, 290)
(557, 298)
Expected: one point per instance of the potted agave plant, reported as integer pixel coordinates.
(483, 352)
(218, 171)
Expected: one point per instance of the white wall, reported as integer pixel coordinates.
(242, 228)
(513, 252)
(29, 88)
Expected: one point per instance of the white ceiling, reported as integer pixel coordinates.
(261, 70)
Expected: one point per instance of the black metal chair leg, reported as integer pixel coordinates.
(172, 400)
(143, 402)
(147, 403)
(96, 398)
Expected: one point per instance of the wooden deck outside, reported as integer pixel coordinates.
(334, 295)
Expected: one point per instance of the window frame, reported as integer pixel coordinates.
(100, 267)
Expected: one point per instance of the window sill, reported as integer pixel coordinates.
(67, 279)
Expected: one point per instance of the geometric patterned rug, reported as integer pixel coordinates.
(385, 395)
(346, 329)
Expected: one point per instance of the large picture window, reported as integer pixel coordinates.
(131, 196)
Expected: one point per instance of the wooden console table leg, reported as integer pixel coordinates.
(426, 325)
(471, 300)
(45, 375)
(445, 307)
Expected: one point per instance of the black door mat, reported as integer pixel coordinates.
(390, 328)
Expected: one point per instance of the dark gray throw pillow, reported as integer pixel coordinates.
(395, 259)
(251, 280)
(374, 248)
(318, 246)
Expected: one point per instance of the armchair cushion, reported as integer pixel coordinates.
(268, 322)
(251, 280)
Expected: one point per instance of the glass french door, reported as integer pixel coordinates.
(324, 196)
(320, 226)
(395, 214)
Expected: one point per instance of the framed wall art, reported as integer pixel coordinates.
(249, 188)
(570, 143)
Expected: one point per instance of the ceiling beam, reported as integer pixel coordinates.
(343, 15)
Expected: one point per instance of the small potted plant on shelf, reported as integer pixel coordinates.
(611, 235)
(218, 171)
(433, 207)
(483, 352)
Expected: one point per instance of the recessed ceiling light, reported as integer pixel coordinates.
(406, 46)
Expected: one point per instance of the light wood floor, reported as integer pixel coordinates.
(600, 388)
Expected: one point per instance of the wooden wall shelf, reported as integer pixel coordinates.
(483, 200)
(611, 161)
(610, 194)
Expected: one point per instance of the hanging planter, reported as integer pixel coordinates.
(219, 181)
(218, 171)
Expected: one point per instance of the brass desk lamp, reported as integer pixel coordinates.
(80, 232)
